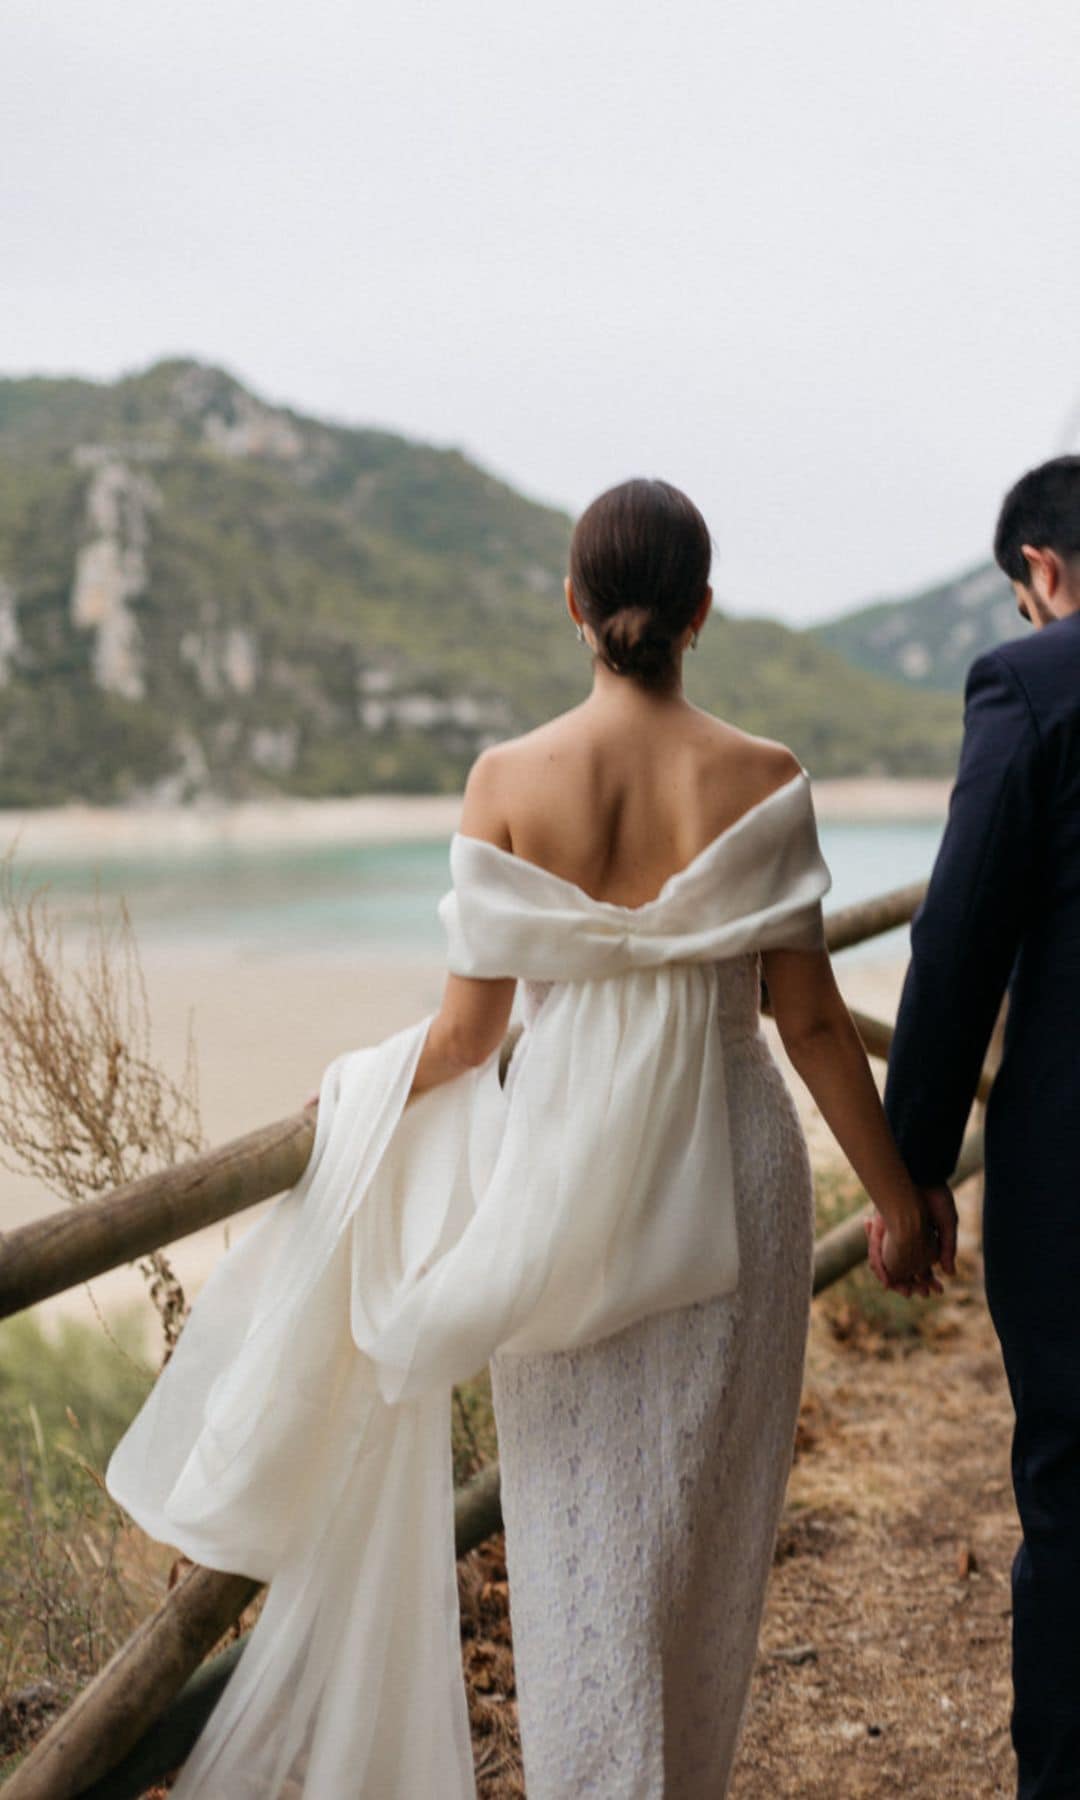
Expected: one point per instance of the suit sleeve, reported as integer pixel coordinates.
(966, 933)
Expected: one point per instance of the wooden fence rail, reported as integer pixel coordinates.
(847, 926)
(66, 1248)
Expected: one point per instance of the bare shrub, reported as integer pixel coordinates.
(84, 1107)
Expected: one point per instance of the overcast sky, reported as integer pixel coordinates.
(817, 261)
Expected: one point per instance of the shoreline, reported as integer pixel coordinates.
(77, 829)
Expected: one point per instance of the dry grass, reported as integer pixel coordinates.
(74, 1578)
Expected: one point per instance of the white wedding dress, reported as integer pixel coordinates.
(624, 1228)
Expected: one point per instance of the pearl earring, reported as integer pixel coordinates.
(580, 635)
(693, 640)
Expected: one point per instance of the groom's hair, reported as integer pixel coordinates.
(1042, 509)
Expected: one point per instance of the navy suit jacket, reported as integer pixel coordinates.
(1003, 908)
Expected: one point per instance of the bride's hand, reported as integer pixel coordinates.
(902, 1256)
(312, 1099)
(908, 1261)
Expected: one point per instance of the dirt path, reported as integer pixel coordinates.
(884, 1665)
(884, 1662)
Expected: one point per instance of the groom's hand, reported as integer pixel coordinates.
(940, 1208)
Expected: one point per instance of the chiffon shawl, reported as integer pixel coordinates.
(300, 1432)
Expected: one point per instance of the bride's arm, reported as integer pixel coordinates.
(470, 1023)
(818, 1035)
(475, 1011)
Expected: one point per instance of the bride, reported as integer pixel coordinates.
(622, 1226)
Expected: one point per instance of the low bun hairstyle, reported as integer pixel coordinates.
(639, 565)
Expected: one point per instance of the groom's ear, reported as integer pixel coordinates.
(1044, 568)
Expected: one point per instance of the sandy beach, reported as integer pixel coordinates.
(78, 831)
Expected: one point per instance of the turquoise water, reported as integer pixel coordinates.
(377, 898)
(870, 859)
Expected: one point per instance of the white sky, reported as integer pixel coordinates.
(817, 261)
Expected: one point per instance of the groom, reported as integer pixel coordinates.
(1004, 900)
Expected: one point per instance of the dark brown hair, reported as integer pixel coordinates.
(1043, 510)
(639, 564)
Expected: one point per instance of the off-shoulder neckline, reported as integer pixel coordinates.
(677, 875)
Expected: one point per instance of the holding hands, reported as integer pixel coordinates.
(902, 1253)
(913, 1228)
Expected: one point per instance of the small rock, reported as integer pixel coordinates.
(796, 1653)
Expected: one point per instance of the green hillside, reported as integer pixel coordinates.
(204, 593)
(931, 639)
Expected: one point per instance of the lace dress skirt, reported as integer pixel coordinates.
(643, 1479)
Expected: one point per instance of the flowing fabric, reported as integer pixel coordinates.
(300, 1432)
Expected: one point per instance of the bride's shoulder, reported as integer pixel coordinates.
(484, 802)
(505, 773)
(750, 767)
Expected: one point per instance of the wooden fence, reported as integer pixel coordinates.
(140, 1715)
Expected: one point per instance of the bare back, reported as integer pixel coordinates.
(616, 797)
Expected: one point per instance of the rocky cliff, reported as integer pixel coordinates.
(203, 592)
